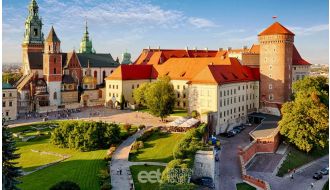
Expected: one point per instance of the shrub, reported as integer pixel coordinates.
(65, 185)
(142, 127)
(104, 174)
(127, 127)
(194, 114)
(106, 186)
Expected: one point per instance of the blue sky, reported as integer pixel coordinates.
(119, 25)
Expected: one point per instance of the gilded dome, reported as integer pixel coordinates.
(89, 80)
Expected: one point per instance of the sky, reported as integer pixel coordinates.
(116, 26)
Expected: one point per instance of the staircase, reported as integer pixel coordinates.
(23, 81)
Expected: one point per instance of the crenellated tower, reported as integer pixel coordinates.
(276, 47)
(52, 67)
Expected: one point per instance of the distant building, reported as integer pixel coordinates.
(9, 101)
(53, 79)
(126, 58)
(223, 85)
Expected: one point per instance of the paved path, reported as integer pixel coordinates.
(120, 161)
(227, 169)
(302, 178)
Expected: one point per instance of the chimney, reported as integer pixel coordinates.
(195, 48)
(149, 48)
(206, 49)
(244, 47)
(158, 48)
(220, 49)
(229, 48)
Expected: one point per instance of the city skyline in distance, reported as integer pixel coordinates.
(117, 26)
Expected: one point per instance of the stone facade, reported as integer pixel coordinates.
(9, 103)
(275, 69)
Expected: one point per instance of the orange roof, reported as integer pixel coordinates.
(133, 72)
(255, 49)
(222, 74)
(276, 28)
(187, 68)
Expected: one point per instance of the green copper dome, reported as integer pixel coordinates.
(86, 45)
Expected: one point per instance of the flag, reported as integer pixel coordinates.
(274, 17)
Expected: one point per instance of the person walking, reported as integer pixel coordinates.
(291, 176)
(312, 185)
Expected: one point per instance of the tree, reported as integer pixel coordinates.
(65, 185)
(139, 94)
(122, 102)
(12, 78)
(10, 172)
(305, 119)
(160, 97)
(127, 127)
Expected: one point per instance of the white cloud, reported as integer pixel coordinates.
(201, 22)
(304, 31)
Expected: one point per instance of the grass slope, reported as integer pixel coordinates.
(244, 186)
(144, 186)
(298, 158)
(158, 148)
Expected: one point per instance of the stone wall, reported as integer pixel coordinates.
(204, 164)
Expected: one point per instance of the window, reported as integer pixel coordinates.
(220, 114)
(294, 68)
(10, 95)
(137, 86)
(132, 86)
(49, 48)
(55, 96)
(239, 99)
(231, 100)
(234, 91)
(110, 86)
(220, 93)
(220, 103)
(3, 104)
(270, 86)
(117, 95)
(224, 103)
(35, 32)
(85, 86)
(235, 99)
(231, 91)
(3, 95)
(178, 104)
(110, 94)
(178, 87)
(178, 95)
(54, 70)
(270, 67)
(55, 60)
(271, 97)
(184, 104)
(184, 95)
(243, 87)
(117, 86)
(184, 87)
(239, 87)
(10, 104)
(95, 74)
(242, 108)
(113, 86)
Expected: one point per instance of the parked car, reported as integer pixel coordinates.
(248, 124)
(242, 127)
(204, 181)
(230, 134)
(236, 130)
(317, 175)
(325, 171)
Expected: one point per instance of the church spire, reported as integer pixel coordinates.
(33, 25)
(86, 45)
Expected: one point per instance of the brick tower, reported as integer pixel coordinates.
(52, 67)
(276, 47)
(33, 36)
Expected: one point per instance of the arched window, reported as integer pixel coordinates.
(54, 70)
(103, 76)
(55, 96)
(95, 74)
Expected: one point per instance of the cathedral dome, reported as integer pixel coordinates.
(89, 80)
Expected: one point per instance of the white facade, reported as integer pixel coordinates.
(54, 90)
(9, 103)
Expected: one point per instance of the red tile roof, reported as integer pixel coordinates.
(276, 28)
(297, 59)
(255, 49)
(222, 74)
(133, 72)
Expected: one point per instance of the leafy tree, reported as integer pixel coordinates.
(10, 172)
(305, 119)
(127, 127)
(12, 78)
(139, 94)
(65, 185)
(122, 102)
(160, 97)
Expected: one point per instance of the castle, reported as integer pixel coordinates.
(53, 79)
(224, 86)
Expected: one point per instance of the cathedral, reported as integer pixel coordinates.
(53, 79)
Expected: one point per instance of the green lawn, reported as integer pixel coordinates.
(145, 186)
(298, 158)
(81, 167)
(244, 186)
(158, 148)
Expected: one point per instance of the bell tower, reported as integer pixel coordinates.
(52, 67)
(33, 36)
(86, 45)
(276, 47)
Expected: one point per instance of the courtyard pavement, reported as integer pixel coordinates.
(228, 171)
(100, 114)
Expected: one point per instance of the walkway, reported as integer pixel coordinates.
(302, 177)
(120, 161)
